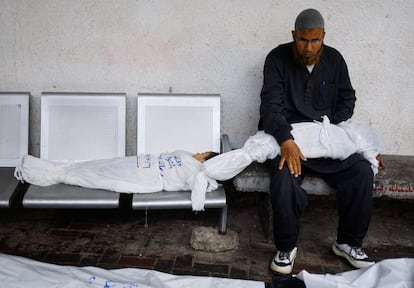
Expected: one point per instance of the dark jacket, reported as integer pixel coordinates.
(291, 94)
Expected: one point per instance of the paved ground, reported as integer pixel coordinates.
(116, 239)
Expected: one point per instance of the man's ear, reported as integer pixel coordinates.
(293, 35)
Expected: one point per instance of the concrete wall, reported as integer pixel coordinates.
(205, 46)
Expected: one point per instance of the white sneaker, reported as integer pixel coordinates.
(355, 255)
(283, 261)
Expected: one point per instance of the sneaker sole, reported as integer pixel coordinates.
(283, 270)
(342, 254)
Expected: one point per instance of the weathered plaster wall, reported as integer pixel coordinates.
(211, 46)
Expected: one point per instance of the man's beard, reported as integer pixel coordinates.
(302, 61)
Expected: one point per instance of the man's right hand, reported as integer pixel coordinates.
(291, 155)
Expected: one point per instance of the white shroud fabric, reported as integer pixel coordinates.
(364, 139)
(125, 174)
(180, 171)
(136, 174)
(390, 273)
(17, 272)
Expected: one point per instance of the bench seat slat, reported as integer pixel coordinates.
(69, 196)
(176, 200)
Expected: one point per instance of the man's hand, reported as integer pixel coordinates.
(291, 155)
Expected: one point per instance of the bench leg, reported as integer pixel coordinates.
(223, 220)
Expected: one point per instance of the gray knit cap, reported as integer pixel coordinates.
(309, 19)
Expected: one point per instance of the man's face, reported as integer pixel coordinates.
(308, 44)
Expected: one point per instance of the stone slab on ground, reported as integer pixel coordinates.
(209, 239)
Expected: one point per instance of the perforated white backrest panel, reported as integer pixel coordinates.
(81, 127)
(14, 128)
(168, 122)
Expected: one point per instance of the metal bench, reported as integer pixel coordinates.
(75, 127)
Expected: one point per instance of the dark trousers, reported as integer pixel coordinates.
(353, 180)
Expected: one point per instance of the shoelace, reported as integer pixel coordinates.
(284, 255)
(358, 252)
